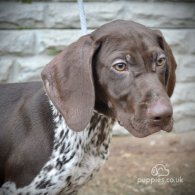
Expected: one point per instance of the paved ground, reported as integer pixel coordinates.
(132, 159)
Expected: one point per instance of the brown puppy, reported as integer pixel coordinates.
(123, 71)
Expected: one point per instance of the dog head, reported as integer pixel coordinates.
(123, 70)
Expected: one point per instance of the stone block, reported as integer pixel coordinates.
(156, 14)
(21, 15)
(31, 67)
(184, 92)
(184, 115)
(6, 65)
(53, 41)
(183, 50)
(22, 69)
(17, 42)
(185, 68)
(181, 40)
(184, 106)
(66, 14)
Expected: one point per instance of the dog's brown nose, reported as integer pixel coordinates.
(160, 111)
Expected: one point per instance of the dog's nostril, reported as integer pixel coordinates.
(160, 116)
(160, 112)
(157, 118)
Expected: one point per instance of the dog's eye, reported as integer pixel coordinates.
(120, 66)
(161, 61)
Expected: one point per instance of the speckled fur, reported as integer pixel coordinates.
(75, 158)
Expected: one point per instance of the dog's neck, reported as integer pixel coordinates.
(97, 132)
(75, 158)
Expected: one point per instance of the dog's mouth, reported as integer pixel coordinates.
(143, 127)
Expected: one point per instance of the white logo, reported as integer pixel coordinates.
(159, 170)
(159, 173)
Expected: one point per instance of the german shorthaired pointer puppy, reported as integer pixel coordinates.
(54, 137)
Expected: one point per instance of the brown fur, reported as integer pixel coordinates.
(82, 79)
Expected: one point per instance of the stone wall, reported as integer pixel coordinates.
(31, 34)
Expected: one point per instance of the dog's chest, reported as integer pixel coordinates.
(75, 158)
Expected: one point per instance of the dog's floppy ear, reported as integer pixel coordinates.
(171, 63)
(172, 69)
(69, 84)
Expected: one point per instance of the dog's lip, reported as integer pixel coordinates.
(151, 128)
(144, 133)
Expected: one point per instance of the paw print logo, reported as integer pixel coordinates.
(159, 170)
